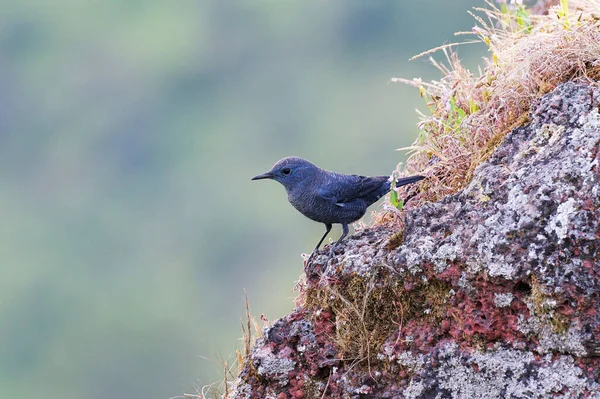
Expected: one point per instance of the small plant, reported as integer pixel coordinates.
(516, 13)
(563, 12)
(394, 198)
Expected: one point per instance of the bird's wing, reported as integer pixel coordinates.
(346, 188)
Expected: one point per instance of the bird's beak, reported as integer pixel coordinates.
(263, 176)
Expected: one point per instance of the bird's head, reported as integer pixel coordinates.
(290, 172)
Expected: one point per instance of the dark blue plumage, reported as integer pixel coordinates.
(329, 197)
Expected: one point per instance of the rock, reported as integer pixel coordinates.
(493, 292)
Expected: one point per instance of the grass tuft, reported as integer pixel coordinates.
(251, 331)
(470, 114)
(369, 310)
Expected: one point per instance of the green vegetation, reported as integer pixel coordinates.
(395, 200)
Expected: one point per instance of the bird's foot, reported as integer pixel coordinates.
(312, 258)
(319, 258)
(308, 260)
(331, 254)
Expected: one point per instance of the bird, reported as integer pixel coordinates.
(329, 197)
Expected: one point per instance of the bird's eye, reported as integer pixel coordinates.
(286, 171)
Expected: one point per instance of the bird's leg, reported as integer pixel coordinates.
(344, 234)
(328, 229)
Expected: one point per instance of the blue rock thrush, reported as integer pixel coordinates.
(329, 197)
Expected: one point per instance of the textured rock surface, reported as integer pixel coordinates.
(492, 292)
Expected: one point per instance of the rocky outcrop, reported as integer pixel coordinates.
(493, 292)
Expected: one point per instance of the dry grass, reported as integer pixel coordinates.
(370, 310)
(251, 331)
(469, 114)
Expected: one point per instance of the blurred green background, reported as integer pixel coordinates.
(129, 131)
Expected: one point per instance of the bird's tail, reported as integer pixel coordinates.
(408, 180)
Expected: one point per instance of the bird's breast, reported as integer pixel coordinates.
(311, 206)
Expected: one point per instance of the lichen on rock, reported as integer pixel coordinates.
(497, 373)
